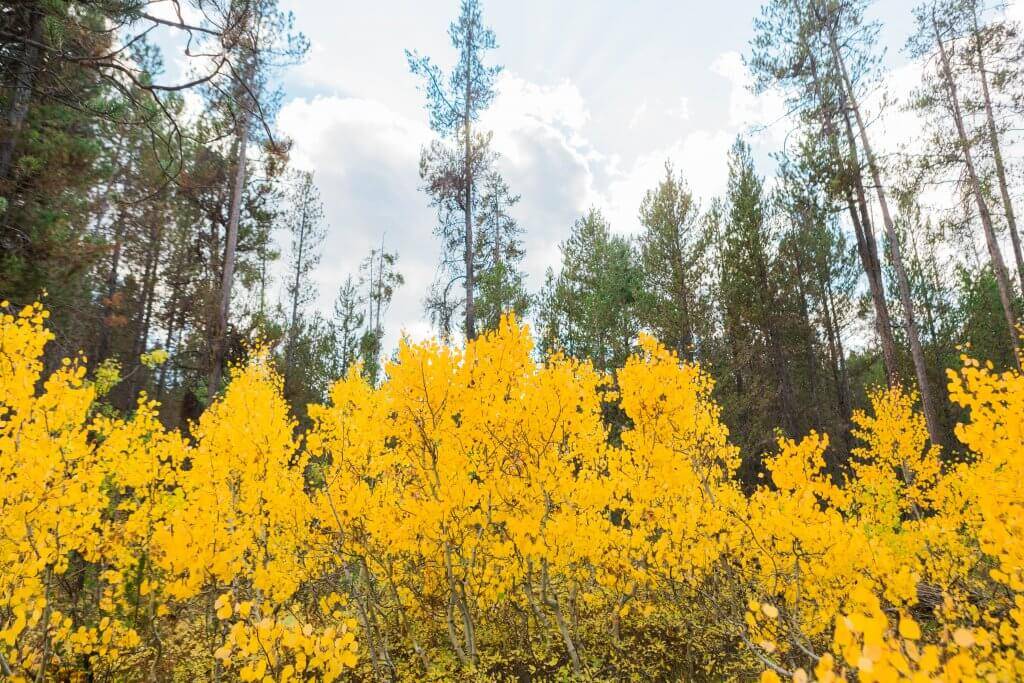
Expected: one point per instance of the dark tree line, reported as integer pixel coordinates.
(152, 228)
(799, 298)
(149, 227)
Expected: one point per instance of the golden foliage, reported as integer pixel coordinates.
(472, 514)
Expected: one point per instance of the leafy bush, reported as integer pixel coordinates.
(469, 517)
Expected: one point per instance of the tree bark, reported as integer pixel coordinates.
(837, 356)
(997, 153)
(991, 241)
(149, 282)
(928, 404)
(296, 282)
(103, 345)
(468, 208)
(686, 349)
(228, 274)
(21, 96)
(810, 339)
(769, 326)
(867, 248)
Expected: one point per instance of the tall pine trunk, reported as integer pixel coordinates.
(21, 89)
(468, 208)
(809, 340)
(103, 344)
(928, 403)
(991, 241)
(997, 153)
(149, 282)
(228, 274)
(293, 323)
(468, 217)
(867, 249)
(684, 298)
(770, 307)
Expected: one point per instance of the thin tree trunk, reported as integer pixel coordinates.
(687, 337)
(453, 604)
(378, 327)
(770, 306)
(161, 383)
(928, 403)
(867, 249)
(24, 82)
(991, 241)
(148, 299)
(497, 260)
(468, 209)
(296, 282)
(927, 302)
(563, 626)
(103, 345)
(228, 275)
(997, 153)
(809, 345)
(468, 217)
(837, 354)
(871, 254)
(728, 325)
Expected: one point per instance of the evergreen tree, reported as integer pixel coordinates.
(993, 62)
(346, 325)
(940, 27)
(454, 107)
(380, 279)
(825, 53)
(674, 256)
(589, 309)
(262, 39)
(305, 223)
(501, 284)
(750, 291)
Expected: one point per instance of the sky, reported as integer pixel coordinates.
(595, 97)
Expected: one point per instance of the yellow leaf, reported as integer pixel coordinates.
(909, 628)
(963, 637)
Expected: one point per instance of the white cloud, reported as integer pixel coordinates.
(521, 103)
(681, 110)
(699, 154)
(748, 110)
(366, 159)
(700, 157)
(539, 130)
(1015, 11)
(638, 114)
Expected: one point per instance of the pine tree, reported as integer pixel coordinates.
(789, 52)
(822, 267)
(263, 39)
(589, 309)
(380, 279)
(673, 252)
(940, 27)
(748, 285)
(993, 60)
(454, 107)
(346, 325)
(824, 53)
(501, 284)
(305, 224)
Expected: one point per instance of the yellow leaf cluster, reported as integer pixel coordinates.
(477, 503)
